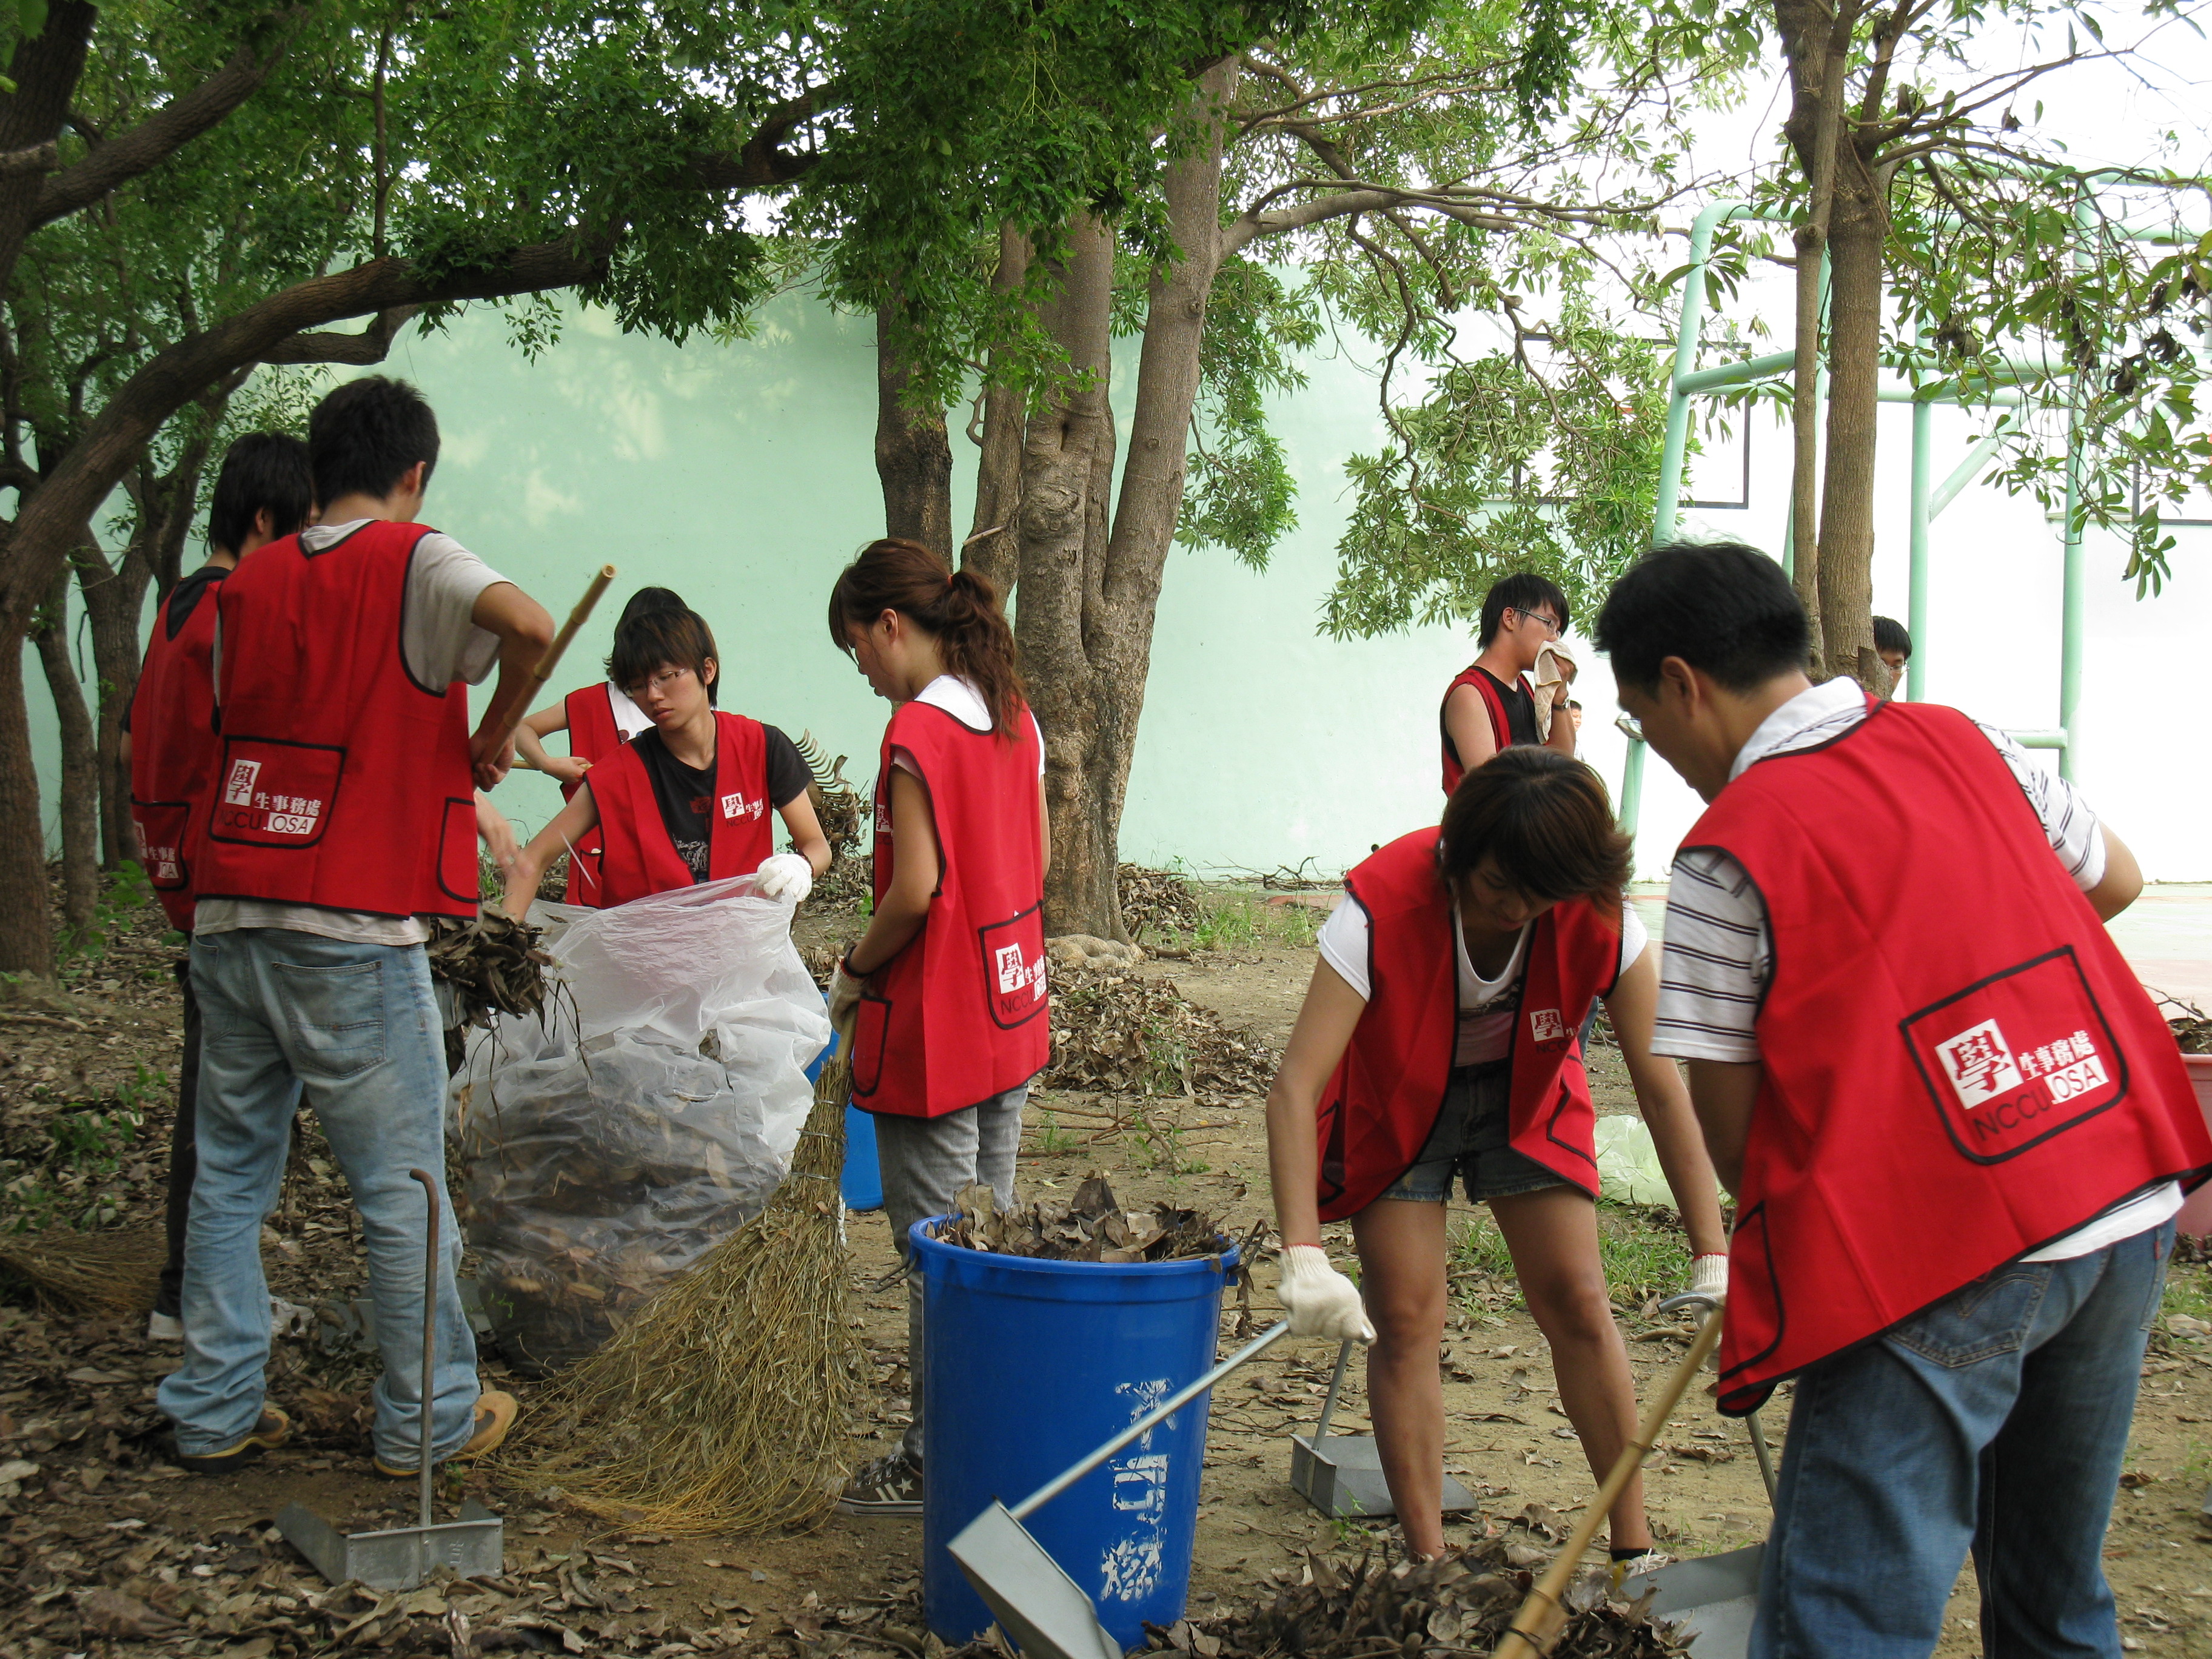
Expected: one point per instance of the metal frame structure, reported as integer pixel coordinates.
(1927, 499)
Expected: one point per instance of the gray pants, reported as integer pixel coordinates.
(926, 1161)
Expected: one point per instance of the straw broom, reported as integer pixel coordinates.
(117, 1271)
(722, 1405)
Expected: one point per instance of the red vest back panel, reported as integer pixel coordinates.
(639, 860)
(174, 748)
(592, 736)
(1959, 1068)
(958, 1016)
(1383, 1100)
(342, 782)
(1501, 730)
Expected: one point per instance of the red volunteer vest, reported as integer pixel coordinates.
(592, 736)
(342, 781)
(1501, 731)
(173, 746)
(639, 860)
(958, 1016)
(1388, 1090)
(1959, 1065)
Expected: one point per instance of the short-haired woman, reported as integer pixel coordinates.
(687, 799)
(944, 996)
(1439, 1039)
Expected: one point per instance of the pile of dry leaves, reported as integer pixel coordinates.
(493, 963)
(2192, 1027)
(1127, 1035)
(1156, 901)
(1090, 1227)
(1338, 1608)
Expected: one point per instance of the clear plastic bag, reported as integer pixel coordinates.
(601, 1151)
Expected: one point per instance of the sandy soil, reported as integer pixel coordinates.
(102, 1513)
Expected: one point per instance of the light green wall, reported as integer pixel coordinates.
(743, 475)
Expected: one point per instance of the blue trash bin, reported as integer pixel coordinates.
(1026, 1366)
(862, 1180)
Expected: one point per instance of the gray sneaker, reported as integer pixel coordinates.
(889, 1487)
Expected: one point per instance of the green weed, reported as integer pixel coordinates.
(92, 1142)
(1641, 1259)
(1243, 922)
(2188, 1291)
(123, 891)
(1052, 1140)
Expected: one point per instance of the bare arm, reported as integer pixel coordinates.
(524, 630)
(1664, 1101)
(2123, 879)
(1466, 719)
(570, 825)
(1564, 726)
(805, 831)
(914, 867)
(528, 739)
(1044, 834)
(1724, 1091)
(1317, 1041)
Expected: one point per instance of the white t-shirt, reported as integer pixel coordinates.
(1719, 949)
(441, 645)
(629, 719)
(959, 698)
(1486, 1006)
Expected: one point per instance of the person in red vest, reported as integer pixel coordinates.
(1956, 1128)
(1438, 1038)
(943, 998)
(687, 800)
(263, 491)
(1489, 706)
(341, 815)
(598, 718)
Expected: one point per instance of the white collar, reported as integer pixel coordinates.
(1808, 709)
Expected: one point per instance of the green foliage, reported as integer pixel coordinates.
(1237, 490)
(1640, 1258)
(123, 893)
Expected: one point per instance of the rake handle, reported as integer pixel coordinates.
(1543, 1607)
(1151, 1421)
(511, 716)
(429, 1341)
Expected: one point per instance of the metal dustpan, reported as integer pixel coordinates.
(1341, 1475)
(402, 1557)
(1047, 1615)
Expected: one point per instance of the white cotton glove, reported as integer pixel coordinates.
(1708, 1278)
(786, 875)
(844, 1000)
(1321, 1301)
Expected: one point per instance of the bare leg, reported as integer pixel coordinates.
(1401, 1277)
(1552, 1235)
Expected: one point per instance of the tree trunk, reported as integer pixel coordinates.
(79, 794)
(993, 546)
(1859, 229)
(26, 944)
(114, 599)
(913, 460)
(1089, 596)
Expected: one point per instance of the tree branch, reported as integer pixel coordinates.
(37, 158)
(371, 345)
(763, 161)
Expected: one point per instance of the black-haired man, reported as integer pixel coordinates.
(263, 491)
(341, 814)
(1894, 645)
(1491, 706)
(1956, 1126)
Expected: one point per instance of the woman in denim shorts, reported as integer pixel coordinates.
(1438, 1042)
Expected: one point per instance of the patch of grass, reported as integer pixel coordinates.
(2188, 1291)
(93, 1141)
(1241, 922)
(1641, 1257)
(123, 893)
(1052, 1140)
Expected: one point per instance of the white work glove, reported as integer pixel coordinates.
(1321, 1301)
(844, 1000)
(786, 875)
(1708, 1278)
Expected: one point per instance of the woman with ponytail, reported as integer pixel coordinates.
(943, 999)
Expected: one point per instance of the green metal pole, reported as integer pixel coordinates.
(1923, 432)
(2075, 578)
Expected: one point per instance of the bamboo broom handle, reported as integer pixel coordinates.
(512, 716)
(1542, 1616)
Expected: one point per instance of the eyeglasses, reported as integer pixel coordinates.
(1630, 727)
(1551, 623)
(660, 682)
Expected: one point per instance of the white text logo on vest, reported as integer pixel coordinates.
(736, 807)
(1014, 973)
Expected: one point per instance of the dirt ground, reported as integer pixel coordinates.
(105, 1546)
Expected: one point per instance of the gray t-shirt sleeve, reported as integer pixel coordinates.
(441, 643)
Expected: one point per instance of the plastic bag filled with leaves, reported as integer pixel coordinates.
(603, 1149)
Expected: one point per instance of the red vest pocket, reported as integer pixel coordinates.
(1013, 967)
(871, 1021)
(457, 851)
(161, 826)
(1755, 1303)
(2017, 1058)
(269, 792)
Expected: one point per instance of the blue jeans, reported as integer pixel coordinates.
(1995, 1422)
(354, 1028)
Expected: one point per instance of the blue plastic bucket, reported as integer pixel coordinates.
(1026, 1366)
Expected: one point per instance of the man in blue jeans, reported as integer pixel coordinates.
(343, 814)
(1956, 1128)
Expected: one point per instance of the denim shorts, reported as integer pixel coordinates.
(1471, 1139)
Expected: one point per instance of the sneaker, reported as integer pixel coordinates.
(889, 1487)
(494, 1416)
(164, 1327)
(272, 1429)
